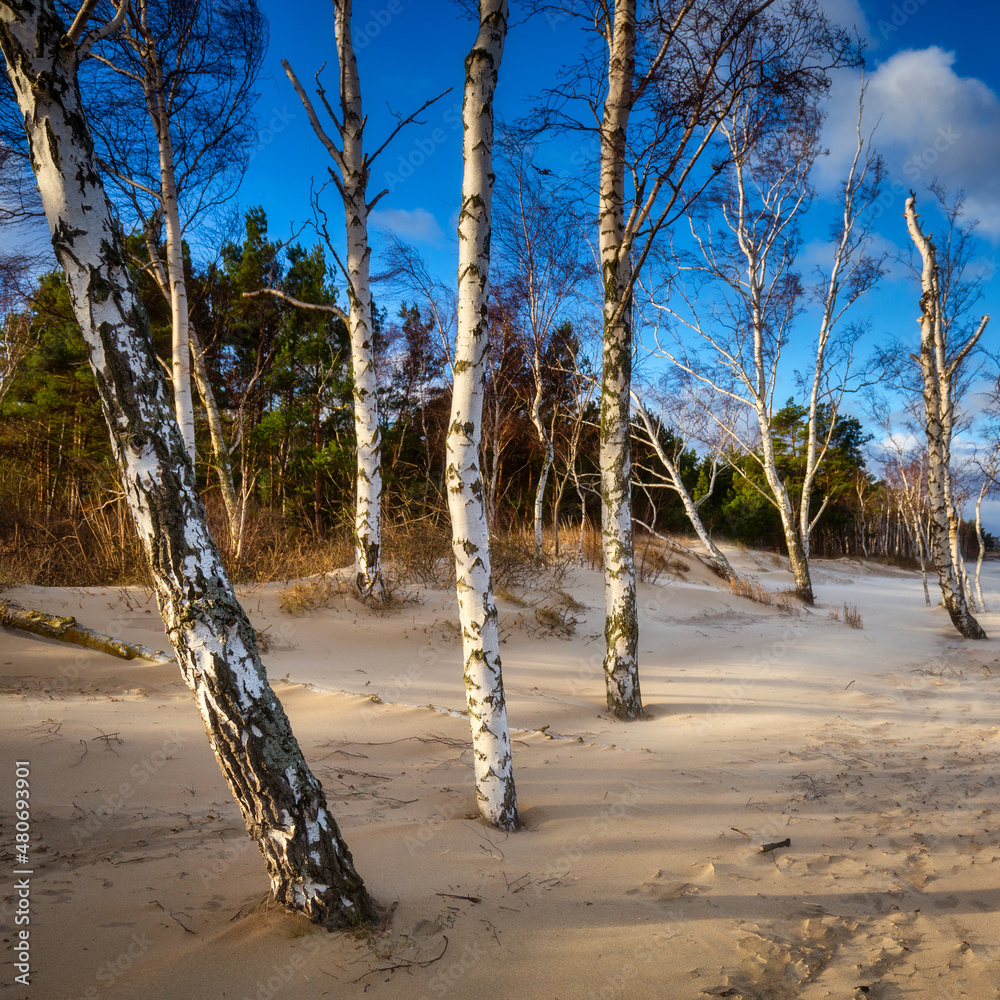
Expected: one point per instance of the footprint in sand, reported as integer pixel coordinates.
(666, 891)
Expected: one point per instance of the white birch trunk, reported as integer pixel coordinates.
(180, 364)
(545, 440)
(621, 624)
(816, 451)
(760, 382)
(351, 177)
(797, 557)
(283, 804)
(368, 511)
(982, 545)
(936, 372)
(220, 450)
(922, 542)
(495, 791)
(154, 88)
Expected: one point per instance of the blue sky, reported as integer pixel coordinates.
(933, 84)
(933, 81)
(408, 51)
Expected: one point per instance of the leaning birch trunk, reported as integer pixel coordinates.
(716, 556)
(621, 623)
(368, 510)
(933, 372)
(283, 804)
(495, 792)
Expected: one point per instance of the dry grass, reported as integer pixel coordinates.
(654, 560)
(419, 552)
(593, 552)
(569, 601)
(556, 621)
(753, 590)
(97, 548)
(510, 598)
(852, 616)
(308, 595)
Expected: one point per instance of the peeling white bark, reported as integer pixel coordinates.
(180, 364)
(368, 512)
(351, 177)
(282, 803)
(621, 624)
(937, 371)
(495, 790)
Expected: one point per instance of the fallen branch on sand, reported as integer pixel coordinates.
(12, 615)
(767, 848)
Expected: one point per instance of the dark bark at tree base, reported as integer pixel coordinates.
(283, 804)
(964, 622)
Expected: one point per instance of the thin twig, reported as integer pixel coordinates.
(405, 965)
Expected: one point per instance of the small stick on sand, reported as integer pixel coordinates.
(767, 848)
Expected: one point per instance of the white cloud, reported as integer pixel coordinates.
(931, 124)
(415, 225)
(848, 14)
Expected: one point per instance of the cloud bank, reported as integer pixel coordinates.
(930, 124)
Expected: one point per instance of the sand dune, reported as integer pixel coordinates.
(639, 873)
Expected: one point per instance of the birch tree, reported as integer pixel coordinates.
(906, 472)
(939, 363)
(747, 237)
(539, 249)
(494, 773)
(989, 469)
(665, 82)
(282, 803)
(581, 385)
(651, 428)
(353, 170)
(188, 69)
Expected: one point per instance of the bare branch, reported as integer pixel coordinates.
(298, 303)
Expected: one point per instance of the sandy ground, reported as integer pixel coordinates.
(639, 873)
